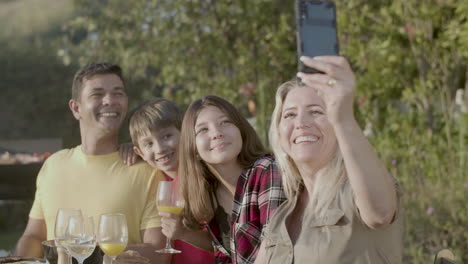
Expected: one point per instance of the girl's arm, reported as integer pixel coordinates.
(173, 228)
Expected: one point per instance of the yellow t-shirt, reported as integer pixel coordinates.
(97, 184)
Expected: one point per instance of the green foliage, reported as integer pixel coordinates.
(410, 58)
(35, 85)
(35, 93)
(187, 49)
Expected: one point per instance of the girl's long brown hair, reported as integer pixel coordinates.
(198, 182)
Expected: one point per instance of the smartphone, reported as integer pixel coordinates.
(316, 30)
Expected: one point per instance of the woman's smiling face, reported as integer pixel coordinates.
(305, 133)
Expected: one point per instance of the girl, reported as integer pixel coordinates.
(230, 184)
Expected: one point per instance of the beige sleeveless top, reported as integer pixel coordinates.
(338, 237)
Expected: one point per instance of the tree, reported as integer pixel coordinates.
(411, 61)
(187, 49)
(35, 85)
(410, 58)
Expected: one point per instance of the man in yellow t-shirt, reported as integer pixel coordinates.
(92, 176)
(96, 184)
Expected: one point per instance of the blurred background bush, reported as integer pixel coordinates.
(410, 58)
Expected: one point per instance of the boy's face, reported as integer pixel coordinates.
(159, 149)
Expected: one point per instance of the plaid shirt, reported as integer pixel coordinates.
(258, 194)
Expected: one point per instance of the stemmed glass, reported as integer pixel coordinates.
(81, 237)
(169, 199)
(61, 223)
(113, 234)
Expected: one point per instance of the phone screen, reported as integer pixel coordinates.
(317, 34)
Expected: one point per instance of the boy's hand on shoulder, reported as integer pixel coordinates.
(127, 154)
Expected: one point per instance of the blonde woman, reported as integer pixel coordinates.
(343, 206)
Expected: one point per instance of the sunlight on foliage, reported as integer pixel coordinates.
(410, 58)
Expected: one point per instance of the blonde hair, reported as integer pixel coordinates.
(329, 180)
(151, 115)
(197, 179)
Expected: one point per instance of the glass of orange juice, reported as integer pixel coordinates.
(169, 199)
(112, 234)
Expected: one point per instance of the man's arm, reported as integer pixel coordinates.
(153, 240)
(29, 244)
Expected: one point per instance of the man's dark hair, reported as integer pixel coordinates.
(89, 71)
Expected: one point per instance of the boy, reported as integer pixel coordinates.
(155, 131)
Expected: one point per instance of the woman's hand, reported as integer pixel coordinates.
(374, 191)
(335, 85)
(172, 226)
(127, 154)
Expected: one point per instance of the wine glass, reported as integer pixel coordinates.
(169, 199)
(112, 234)
(81, 237)
(61, 223)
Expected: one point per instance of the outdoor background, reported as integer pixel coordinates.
(410, 58)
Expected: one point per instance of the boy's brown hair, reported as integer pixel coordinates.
(153, 114)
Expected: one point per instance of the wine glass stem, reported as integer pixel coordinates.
(168, 243)
(69, 257)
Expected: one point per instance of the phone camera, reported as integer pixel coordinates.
(303, 11)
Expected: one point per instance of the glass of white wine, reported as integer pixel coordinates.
(112, 234)
(169, 199)
(61, 223)
(81, 237)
